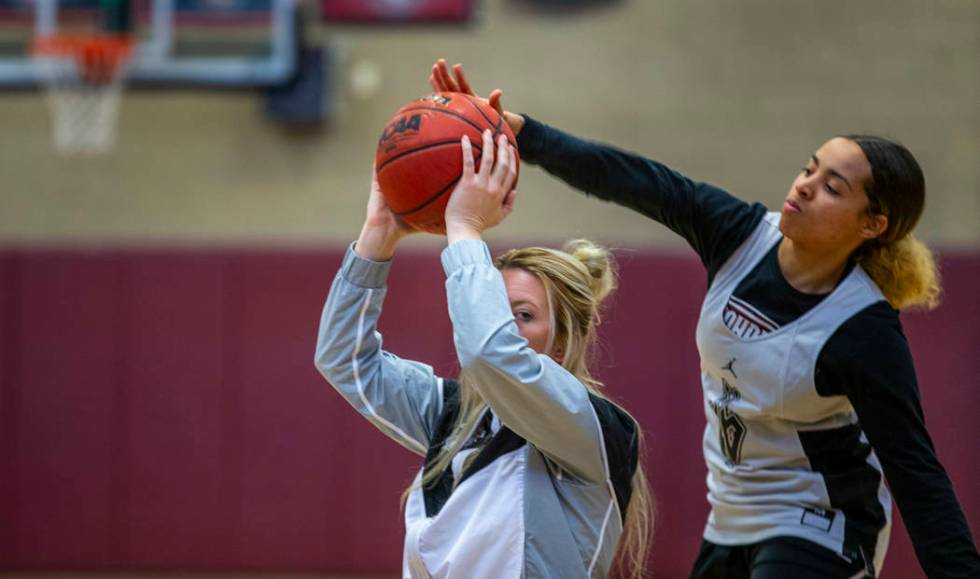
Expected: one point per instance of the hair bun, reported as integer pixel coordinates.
(600, 264)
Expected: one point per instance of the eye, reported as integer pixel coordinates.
(807, 171)
(830, 189)
(523, 316)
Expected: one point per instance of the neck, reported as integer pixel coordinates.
(810, 271)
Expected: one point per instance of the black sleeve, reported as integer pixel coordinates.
(869, 361)
(712, 221)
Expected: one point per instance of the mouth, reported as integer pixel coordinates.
(791, 206)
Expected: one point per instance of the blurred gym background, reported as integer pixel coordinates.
(159, 296)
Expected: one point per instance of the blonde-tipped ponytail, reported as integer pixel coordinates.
(905, 271)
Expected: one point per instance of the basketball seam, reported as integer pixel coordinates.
(441, 192)
(496, 126)
(422, 148)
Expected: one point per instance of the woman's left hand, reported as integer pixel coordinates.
(382, 229)
(482, 199)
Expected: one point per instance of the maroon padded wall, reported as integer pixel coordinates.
(159, 410)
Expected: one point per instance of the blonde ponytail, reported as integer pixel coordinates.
(905, 271)
(633, 551)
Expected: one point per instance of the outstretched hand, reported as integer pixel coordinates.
(442, 80)
(484, 198)
(382, 229)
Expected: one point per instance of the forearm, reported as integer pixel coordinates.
(934, 519)
(923, 491)
(400, 397)
(603, 171)
(349, 317)
(868, 360)
(712, 221)
(376, 243)
(530, 393)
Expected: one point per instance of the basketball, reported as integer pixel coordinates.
(419, 159)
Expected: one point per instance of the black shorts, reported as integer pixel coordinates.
(776, 558)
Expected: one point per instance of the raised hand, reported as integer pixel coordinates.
(442, 80)
(484, 198)
(382, 229)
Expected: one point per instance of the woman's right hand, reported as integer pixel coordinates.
(484, 198)
(382, 229)
(444, 81)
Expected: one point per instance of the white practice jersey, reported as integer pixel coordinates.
(782, 459)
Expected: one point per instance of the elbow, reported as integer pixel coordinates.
(328, 361)
(339, 374)
(323, 366)
(320, 363)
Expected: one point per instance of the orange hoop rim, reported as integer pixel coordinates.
(99, 56)
(106, 45)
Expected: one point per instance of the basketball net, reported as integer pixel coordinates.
(83, 76)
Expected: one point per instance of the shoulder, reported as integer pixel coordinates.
(748, 231)
(869, 350)
(875, 326)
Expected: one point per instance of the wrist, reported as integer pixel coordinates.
(376, 244)
(514, 121)
(456, 231)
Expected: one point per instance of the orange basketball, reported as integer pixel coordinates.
(419, 159)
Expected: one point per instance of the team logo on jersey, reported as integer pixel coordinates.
(729, 394)
(732, 429)
(745, 321)
(730, 367)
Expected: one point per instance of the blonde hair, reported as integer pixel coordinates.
(905, 271)
(902, 266)
(576, 280)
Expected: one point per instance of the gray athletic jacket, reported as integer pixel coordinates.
(546, 495)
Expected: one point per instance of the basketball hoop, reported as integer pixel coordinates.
(83, 75)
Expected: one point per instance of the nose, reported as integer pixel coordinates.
(804, 187)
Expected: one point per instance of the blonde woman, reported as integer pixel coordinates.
(529, 471)
(809, 387)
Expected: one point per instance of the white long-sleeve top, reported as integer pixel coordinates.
(546, 495)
